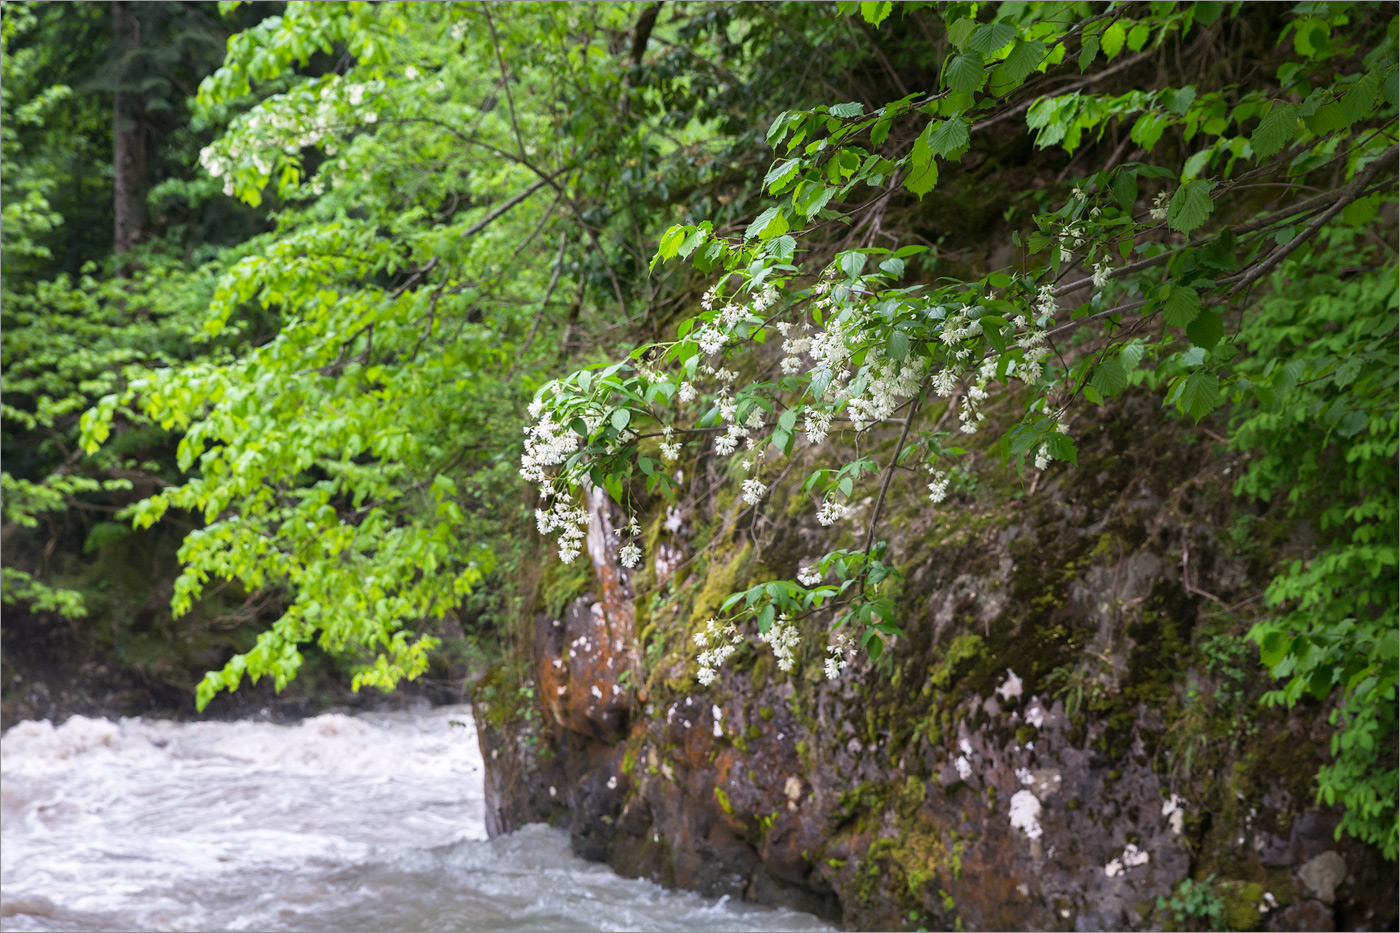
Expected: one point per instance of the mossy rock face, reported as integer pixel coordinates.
(1242, 900)
(1052, 666)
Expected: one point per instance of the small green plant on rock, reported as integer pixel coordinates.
(1195, 906)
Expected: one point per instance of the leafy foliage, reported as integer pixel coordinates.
(471, 211)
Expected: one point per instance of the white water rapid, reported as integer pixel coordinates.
(370, 822)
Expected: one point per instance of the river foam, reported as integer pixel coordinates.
(369, 822)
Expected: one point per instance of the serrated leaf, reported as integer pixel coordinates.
(1190, 206)
(1088, 52)
(621, 417)
(874, 12)
(848, 110)
(767, 225)
(1199, 394)
(1114, 38)
(1138, 36)
(949, 138)
(782, 247)
(1109, 377)
(961, 31)
(1178, 101)
(1274, 131)
(880, 131)
(1125, 189)
(1360, 100)
(989, 37)
(778, 125)
(897, 347)
(965, 74)
(1206, 330)
(1062, 447)
(780, 174)
(923, 174)
(1182, 306)
(852, 264)
(1022, 61)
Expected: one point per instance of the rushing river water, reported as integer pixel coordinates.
(371, 822)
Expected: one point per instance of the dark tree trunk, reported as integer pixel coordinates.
(128, 135)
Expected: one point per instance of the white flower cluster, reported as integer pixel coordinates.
(629, 555)
(817, 423)
(1102, 270)
(286, 123)
(1072, 237)
(719, 641)
(670, 447)
(830, 352)
(753, 491)
(890, 382)
(836, 651)
(938, 488)
(547, 444)
(569, 522)
(832, 512)
(783, 638)
(810, 575)
(1159, 207)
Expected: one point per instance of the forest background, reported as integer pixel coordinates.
(283, 284)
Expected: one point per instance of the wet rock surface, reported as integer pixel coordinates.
(1060, 739)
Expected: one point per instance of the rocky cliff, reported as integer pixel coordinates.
(1068, 736)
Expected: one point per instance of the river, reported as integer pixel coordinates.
(367, 822)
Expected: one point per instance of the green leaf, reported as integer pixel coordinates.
(897, 347)
(965, 74)
(1190, 206)
(847, 111)
(923, 173)
(1088, 52)
(874, 12)
(1206, 330)
(949, 139)
(1179, 100)
(1274, 131)
(621, 417)
(1114, 38)
(1022, 61)
(1182, 306)
(767, 225)
(991, 36)
(961, 31)
(1125, 189)
(780, 174)
(851, 264)
(1137, 36)
(1109, 377)
(1199, 395)
(1360, 100)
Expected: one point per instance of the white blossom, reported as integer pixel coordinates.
(1159, 207)
(818, 423)
(783, 638)
(753, 491)
(1101, 273)
(629, 555)
(831, 512)
(938, 488)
